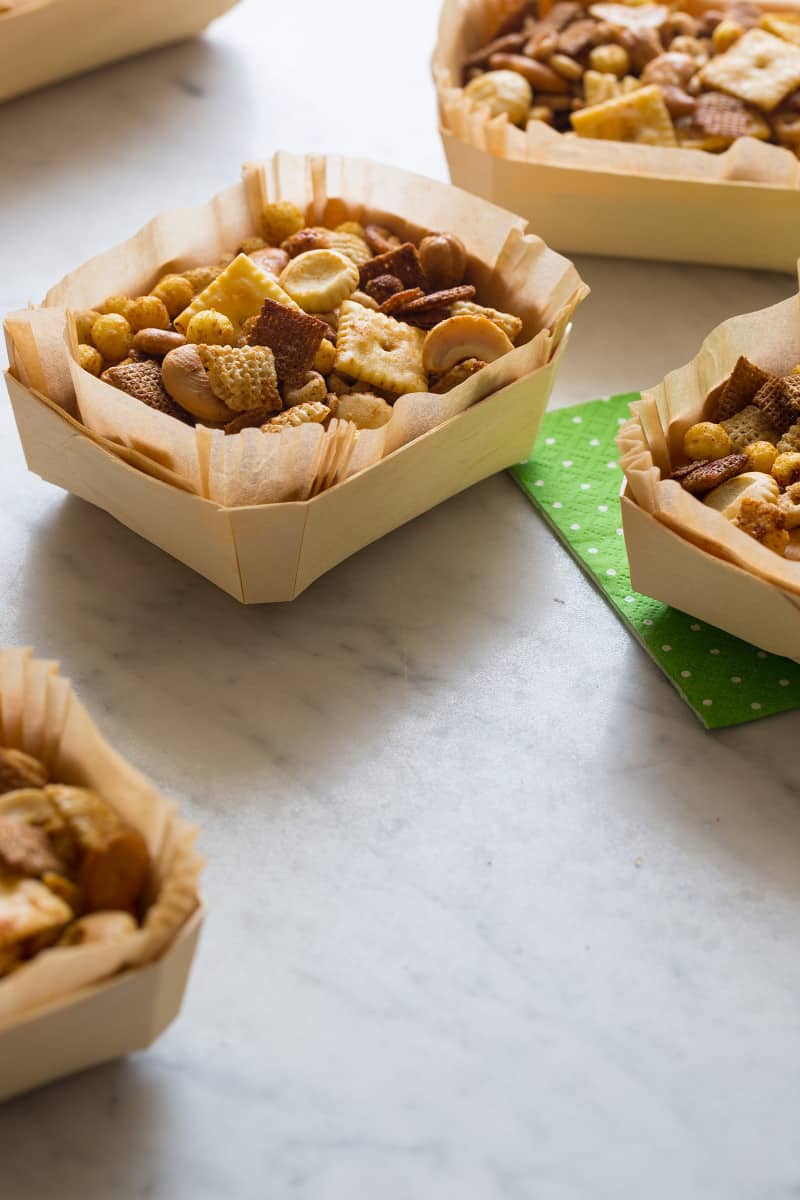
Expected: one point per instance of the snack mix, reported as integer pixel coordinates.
(303, 325)
(745, 460)
(647, 73)
(71, 871)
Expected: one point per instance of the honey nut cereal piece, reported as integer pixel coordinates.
(84, 320)
(726, 34)
(786, 468)
(157, 342)
(739, 389)
(457, 374)
(116, 304)
(186, 380)
(790, 440)
(381, 240)
(382, 287)
(772, 399)
(707, 475)
(319, 280)
(403, 262)
(760, 69)
(399, 300)
(753, 485)
(510, 324)
(250, 245)
(309, 390)
(311, 238)
(143, 382)
(784, 25)
(540, 76)
(238, 293)
(764, 522)
(364, 409)
(302, 414)
(379, 350)
(112, 336)
(351, 246)
(211, 328)
(199, 278)
(598, 87)
(722, 116)
(20, 770)
(542, 45)
(750, 425)
(428, 318)
(271, 260)
(459, 338)
(90, 359)
(444, 260)
(640, 117)
(148, 312)
(325, 358)
(174, 292)
(706, 441)
(576, 39)
(789, 504)
(280, 220)
(353, 227)
(242, 377)
(502, 93)
(670, 70)
(610, 60)
(761, 456)
(294, 338)
(253, 419)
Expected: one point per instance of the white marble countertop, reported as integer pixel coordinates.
(432, 966)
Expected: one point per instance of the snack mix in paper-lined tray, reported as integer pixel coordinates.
(310, 325)
(645, 73)
(72, 872)
(745, 461)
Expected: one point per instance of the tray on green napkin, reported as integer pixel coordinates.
(574, 480)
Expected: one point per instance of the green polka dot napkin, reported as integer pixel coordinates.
(574, 480)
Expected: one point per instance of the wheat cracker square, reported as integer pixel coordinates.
(379, 350)
(294, 338)
(760, 69)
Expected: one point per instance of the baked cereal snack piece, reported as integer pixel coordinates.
(771, 398)
(379, 350)
(738, 389)
(242, 377)
(403, 262)
(20, 770)
(238, 292)
(750, 425)
(142, 380)
(764, 522)
(313, 413)
(641, 116)
(759, 68)
(710, 474)
(294, 338)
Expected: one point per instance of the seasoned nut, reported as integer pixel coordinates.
(312, 389)
(20, 770)
(542, 45)
(158, 342)
(112, 336)
(670, 70)
(211, 328)
(305, 240)
(381, 240)
(539, 75)
(364, 409)
(504, 93)
(642, 46)
(610, 60)
(444, 260)
(604, 34)
(148, 312)
(541, 112)
(566, 66)
(678, 102)
(556, 103)
(90, 359)
(272, 260)
(726, 34)
(175, 293)
(459, 338)
(679, 24)
(382, 287)
(186, 380)
(251, 244)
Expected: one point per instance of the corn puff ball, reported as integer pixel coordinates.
(116, 304)
(90, 359)
(199, 278)
(84, 320)
(148, 312)
(706, 440)
(325, 359)
(211, 328)
(786, 469)
(280, 221)
(354, 228)
(252, 244)
(113, 337)
(175, 293)
(762, 456)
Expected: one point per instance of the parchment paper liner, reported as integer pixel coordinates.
(466, 25)
(513, 271)
(39, 713)
(648, 441)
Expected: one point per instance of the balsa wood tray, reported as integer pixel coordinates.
(43, 41)
(584, 196)
(257, 537)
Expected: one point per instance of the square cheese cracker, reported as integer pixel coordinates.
(760, 69)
